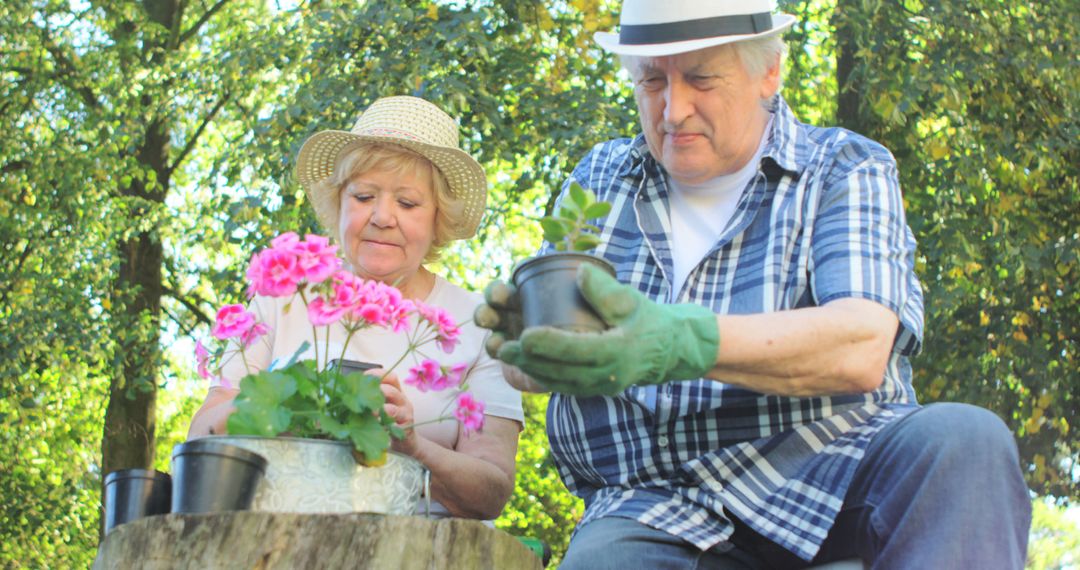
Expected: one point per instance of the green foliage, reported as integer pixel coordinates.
(304, 402)
(1055, 537)
(540, 507)
(569, 228)
(979, 102)
(138, 143)
(49, 480)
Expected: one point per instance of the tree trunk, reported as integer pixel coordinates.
(129, 430)
(287, 540)
(847, 85)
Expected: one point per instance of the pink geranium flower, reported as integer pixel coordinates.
(274, 273)
(456, 374)
(430, 375)
(470, 412)
(202, 359)
(446, 330)
(232, 321)
(285, 241)
(316, 258)
(426, 376)
(321, 312)
(308, 269)
(256, 331)
(380, 305)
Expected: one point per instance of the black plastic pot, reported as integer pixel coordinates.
(135, 493)
(209, 477)
(547, 287)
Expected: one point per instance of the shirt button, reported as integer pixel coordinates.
(662, 441)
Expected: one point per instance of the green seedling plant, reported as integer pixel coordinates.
(568, 229)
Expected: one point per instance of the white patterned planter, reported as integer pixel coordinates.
(321, 476)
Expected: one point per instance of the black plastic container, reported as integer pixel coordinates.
(210, 477)
(135, 493)
(547, 288)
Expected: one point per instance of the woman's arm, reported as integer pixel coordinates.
(476, 478)
(473, 480)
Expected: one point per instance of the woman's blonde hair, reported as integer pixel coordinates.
(367, 157)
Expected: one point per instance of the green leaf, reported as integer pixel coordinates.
(580, 197)
(569, 210)
(259, 409)
(361, 393)
(332, 427)
(597, 210)
(585, 242)
(368, 435)
(555, 229)
(306, 377)
(253, 419)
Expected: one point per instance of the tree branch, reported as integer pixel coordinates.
(178, 21)
(184, 329)
(198, 132)
(13, 166)
(67, 71)
(15, 274)
(187, 303)
(194, 29)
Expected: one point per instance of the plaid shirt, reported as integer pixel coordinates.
(822, 219)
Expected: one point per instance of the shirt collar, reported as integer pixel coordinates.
(638, 159)
(787, 140)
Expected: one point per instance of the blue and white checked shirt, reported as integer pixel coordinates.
(822, 219)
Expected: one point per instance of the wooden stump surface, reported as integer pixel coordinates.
(262, 540)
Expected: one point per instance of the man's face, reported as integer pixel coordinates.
(701, 112)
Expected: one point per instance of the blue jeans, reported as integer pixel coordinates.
(939, 488)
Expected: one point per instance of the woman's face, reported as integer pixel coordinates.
(387, 224)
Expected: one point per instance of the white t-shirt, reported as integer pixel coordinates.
(700, 213)
(288, 330)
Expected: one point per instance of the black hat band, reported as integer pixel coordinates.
(669, 32)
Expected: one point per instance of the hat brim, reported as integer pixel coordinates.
(609, 41)
(319, 155)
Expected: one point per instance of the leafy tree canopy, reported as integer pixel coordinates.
(146, 148)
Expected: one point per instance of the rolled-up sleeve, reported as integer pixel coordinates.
(862, 246)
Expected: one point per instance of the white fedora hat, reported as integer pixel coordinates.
(669, 27)
(408, 122)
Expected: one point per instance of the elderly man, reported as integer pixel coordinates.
(751, 404)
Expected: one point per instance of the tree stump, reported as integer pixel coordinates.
(265, 540)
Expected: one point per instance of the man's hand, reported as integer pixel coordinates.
(648, 343)
(501, 312)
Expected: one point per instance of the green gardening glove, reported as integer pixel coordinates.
(648, 343)
(501, 313)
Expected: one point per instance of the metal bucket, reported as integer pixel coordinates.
(321, 476)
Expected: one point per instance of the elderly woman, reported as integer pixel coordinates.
(394, 191)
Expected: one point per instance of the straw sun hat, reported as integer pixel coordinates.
(408, 122)
(654, 28)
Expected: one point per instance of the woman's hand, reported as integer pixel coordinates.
(215, 411)
(400, 408)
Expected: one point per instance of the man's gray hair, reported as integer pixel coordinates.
(760, 54)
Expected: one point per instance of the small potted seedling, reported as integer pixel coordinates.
(547, 284)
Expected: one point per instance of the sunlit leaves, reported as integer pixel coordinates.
(985, 134)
